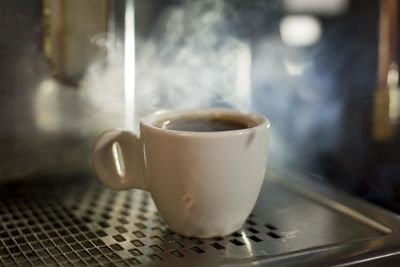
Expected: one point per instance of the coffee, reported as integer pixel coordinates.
(204, 124)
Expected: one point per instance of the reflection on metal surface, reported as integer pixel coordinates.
(46, 106)
(243, 71)
(300, 30)
(68, 25)
(382, 123)
(342, 208)
(58, 109)
(394, 93)
(118, 159)
(129, 67)
(248, 245)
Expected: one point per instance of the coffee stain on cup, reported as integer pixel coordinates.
(188, 203)
(249, 140)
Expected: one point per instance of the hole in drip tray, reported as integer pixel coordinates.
(119, 238)
(236, 234)
(141, 226)
(135, 252)
(125, 212)
(108, 209)
(176, 253)
(116, 247)
(157, 230)
(104, 224)
(94, 252)
(251, 222)
(83, 254)
(121, 229)
(255, 238)
(217, 246)
(274, 235)
(76, 246)
(236, 242)
(141, 217)
(157, 238)
(144, 210)
(86, 219)
(155, 257)
(139, 234)
(106, 216)
(156, 248)
(137, 243)
(196, 241)
(97, 242)
(270, 226)
(101, 233)
(134, 261)
(123, 220)
(254, 231)
(197, 250)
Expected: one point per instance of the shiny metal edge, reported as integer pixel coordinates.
(370, 251)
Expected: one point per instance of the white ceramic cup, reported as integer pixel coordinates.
(204, 184)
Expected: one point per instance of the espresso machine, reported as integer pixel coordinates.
(325, 73)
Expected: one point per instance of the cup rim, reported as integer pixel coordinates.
(148, 120)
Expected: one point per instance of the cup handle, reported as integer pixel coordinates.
(118, 159)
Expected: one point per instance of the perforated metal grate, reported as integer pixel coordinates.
(78, 222)
(83, 223)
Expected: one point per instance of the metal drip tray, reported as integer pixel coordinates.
(78, 222)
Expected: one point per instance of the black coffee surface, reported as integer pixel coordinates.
(203, 124)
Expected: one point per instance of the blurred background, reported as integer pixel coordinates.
(324, 72)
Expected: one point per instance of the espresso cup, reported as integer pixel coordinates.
(204, 173)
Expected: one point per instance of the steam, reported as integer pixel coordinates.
(190, 61)
(303, 107)
(103, 86)
(195, 57)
